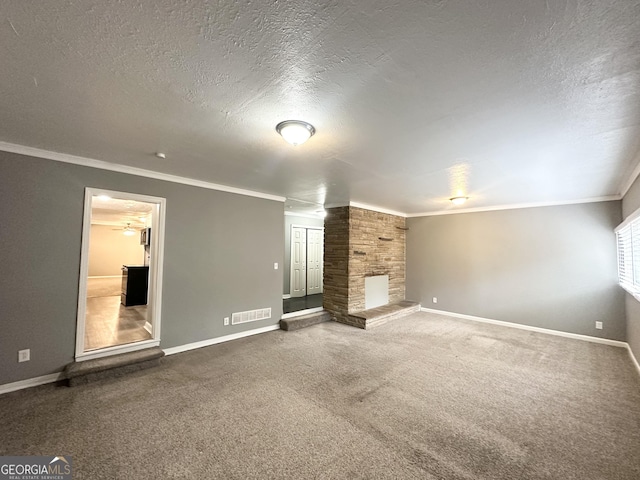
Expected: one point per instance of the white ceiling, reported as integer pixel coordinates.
(513, 102)
(120, 213)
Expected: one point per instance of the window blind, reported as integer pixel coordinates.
(628, 241)
(625, 257)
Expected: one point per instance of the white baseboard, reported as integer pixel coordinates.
(286, 296)
(633, 358)
(299, 313)
(105, 276)
(214, 341)
(54, 377)
(148, 328)
(31, 382)
(558, 333)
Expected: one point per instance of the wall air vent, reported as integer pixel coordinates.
(250, 316)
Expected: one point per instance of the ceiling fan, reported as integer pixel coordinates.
(129, 231)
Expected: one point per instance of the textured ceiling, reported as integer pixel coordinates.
(118, 212)
(512, 102)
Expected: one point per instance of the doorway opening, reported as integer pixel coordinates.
(305, 269)
(120, 291)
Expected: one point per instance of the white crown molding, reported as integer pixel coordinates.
(141, 172)
(336, 205)
(628, 181)
(305, 215)
(115, 167)
(515, 206)
(377, 209)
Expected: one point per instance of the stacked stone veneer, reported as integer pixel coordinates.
(361, 243)
(335, 283)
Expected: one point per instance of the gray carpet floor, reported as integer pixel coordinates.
(424, 397)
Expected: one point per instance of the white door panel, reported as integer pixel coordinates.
(315, 248)
(298, 262)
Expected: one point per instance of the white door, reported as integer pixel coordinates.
(298, 262)
(315, 247)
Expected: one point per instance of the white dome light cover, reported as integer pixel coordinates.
(296, 132)
(458, 200)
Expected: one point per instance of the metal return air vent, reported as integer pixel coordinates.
(250, 316)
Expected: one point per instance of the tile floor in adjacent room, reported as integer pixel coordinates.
(108, 322)
(296, 304)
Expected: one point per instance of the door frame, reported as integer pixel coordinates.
(306, 227)
(156, 263)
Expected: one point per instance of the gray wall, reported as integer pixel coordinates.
(219, 254)
(630, 203)
(551, 267)
(290, 220)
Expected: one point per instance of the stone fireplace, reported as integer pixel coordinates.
(362, 244)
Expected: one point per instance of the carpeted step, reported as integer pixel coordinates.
(379, 315)
(81, 373)
(302, 321)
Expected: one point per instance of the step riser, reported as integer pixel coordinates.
(360, 320)
(82, 373)
(380, 321)
(112, 373)
(296, 323)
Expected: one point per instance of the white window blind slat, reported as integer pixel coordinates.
(628, 242)
(635, 253)
(624, 254)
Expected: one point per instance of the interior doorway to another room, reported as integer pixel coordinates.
(304, 265)
(118, 303)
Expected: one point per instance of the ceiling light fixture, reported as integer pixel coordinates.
(458, 200)
(296, 132)
(128, 231)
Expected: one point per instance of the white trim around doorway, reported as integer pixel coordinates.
(155, 274)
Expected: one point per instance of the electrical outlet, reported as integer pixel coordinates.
(226, 321)
(24, 355)
(435, 299)
(599, 325)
